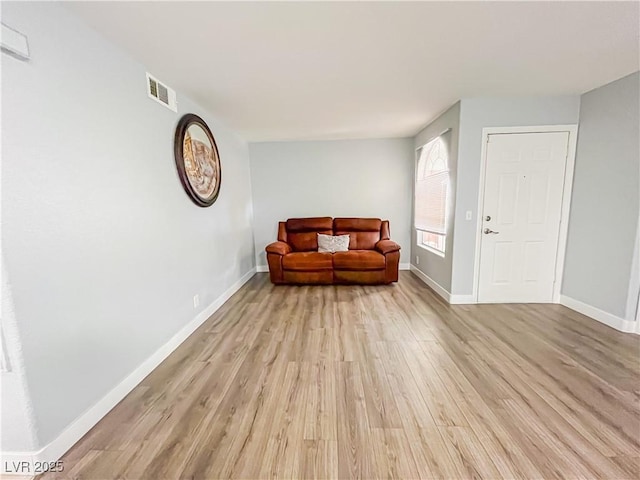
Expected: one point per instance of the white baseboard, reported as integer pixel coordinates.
(404, 266)
(435, 286)
(440, 290)
(75, 431)
(628, 326)
(462, 299)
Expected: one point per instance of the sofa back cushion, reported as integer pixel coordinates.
(363, 233)
(302, 233)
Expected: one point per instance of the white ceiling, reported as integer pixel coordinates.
(281, 71)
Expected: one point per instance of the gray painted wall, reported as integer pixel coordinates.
(438, 267)
(476, 114)
(341, 178)
(605, 200)
(103, 248)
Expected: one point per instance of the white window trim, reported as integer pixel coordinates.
(431, 249)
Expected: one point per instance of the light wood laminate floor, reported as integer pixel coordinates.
(377, 382)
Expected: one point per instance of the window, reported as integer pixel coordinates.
(432, 192)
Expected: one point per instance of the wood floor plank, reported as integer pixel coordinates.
(413, 408)
(319, 459)
(431, 454)
(355, 455)
(377, 382)
(245, 461)
(542, 400)
(558, 457)
(509, 459)
(392, 454)
(441, 404)
(321, 420)
(465, 447)
(630, 465)
(566, 385)
(382, 411)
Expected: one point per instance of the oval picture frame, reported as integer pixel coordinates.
(197, 160)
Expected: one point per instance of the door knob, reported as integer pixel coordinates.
(488, 231)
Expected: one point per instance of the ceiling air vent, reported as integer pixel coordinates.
(161, 93)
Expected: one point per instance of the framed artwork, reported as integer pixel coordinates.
(197, 160)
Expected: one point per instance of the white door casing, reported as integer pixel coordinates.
(523, 196)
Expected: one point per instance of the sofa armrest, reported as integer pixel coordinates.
(387, 246)
(279, 248)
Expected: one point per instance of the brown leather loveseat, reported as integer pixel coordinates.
(372, 258)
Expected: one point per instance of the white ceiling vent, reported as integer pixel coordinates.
(161, 93)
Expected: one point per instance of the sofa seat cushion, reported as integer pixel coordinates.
(307, 261)
(358, 260)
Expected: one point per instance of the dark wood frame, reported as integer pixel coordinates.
(181, 130)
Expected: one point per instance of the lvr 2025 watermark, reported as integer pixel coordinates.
(32, 468)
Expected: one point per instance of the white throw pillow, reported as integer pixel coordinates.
(332, 244)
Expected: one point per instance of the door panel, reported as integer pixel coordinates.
(524, 181)
(507, 199)
(502, 262)
(532, 258)
(538, 201)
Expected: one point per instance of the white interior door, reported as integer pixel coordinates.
(524, 181)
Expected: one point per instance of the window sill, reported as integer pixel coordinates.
(431, 250)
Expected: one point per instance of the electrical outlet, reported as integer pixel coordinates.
(417, 260)
(196, 301)
(469, 215)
